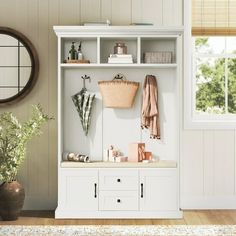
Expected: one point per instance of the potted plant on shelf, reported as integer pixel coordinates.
(13, 139)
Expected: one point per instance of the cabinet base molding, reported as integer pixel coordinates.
(74, 214)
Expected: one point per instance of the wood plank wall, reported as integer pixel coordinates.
(208, 157)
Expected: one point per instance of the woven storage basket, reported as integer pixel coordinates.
(119, 92)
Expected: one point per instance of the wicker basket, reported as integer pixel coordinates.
(119, 92)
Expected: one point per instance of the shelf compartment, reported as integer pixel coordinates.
(155, 44)
(88, 47)
(107, 47)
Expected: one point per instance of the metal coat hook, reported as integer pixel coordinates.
(84, 78)
(119, 76)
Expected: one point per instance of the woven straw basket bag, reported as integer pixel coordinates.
(119, 92)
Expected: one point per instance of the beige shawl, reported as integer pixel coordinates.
(150, 113)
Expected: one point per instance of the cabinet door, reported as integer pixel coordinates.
(80, 189)
(158, 190)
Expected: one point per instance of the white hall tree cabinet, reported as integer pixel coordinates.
(118, 190)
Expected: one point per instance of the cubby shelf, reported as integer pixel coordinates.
(97, 46)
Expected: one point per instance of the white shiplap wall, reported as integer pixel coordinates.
(208, 163)
(208, 157)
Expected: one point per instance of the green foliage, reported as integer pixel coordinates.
(201, 42)
(13, 139)
(211, 91)
(232, 85)
(210, 79)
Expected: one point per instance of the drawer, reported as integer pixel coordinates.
(118, 201)
(118, 179)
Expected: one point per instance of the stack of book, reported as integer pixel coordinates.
(120, 58)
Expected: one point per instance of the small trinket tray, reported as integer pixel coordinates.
(77, 61)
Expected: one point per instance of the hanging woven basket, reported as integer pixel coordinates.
(119, 92)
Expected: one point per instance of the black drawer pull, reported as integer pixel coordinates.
(95, 190)
(141, 190)
(118, 180)
(118, 200)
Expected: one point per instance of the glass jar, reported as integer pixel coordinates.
(120, 48)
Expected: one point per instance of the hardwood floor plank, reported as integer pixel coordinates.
(194, 217)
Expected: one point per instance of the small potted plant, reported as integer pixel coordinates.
(13, 139)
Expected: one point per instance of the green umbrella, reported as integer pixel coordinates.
(83, 102)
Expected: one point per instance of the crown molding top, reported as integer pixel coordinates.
(63, 31)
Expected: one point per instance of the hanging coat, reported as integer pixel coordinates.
(150, 114)
(83, 102)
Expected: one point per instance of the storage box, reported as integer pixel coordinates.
(157, 57)
(136, 152)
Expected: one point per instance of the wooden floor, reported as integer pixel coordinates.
(216, 217)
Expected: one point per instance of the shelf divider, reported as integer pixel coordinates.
(98, 50)
(138, 50)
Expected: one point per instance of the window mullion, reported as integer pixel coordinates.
(226, 85)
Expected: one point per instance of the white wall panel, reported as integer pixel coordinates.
(167, 12)
(192, 164)
(69, 13)
(106, 10)
(137, 8)
(121, 12)
(177, 12)
(208, 183)
(90, 10)
(208, 159)
(224, 163)
(153, 12)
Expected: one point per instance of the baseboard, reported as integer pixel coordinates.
(74, 214)
(208, 202)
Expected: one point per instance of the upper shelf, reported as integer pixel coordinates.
(148, 47)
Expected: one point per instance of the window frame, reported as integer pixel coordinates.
(192, 120)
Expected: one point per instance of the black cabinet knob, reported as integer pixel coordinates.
(118, 180)
(118, 200)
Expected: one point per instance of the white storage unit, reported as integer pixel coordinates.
(118, 190)
(136, 192)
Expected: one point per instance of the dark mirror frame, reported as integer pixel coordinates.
(34, 62)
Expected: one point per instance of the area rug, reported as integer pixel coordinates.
(115, 230)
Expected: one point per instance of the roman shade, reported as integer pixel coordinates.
(213, 17)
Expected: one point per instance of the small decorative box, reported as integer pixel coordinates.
(136, 152)
(157, 57)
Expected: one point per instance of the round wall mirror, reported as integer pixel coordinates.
(19, 66)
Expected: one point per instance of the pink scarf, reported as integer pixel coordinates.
(150, 113)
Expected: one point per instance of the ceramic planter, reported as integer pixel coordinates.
(12, 196)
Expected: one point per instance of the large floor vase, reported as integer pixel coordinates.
(12, 196)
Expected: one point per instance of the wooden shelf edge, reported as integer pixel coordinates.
(100, 164)
(104, 65)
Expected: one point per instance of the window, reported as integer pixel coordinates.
(214, 73)
(210, 65)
